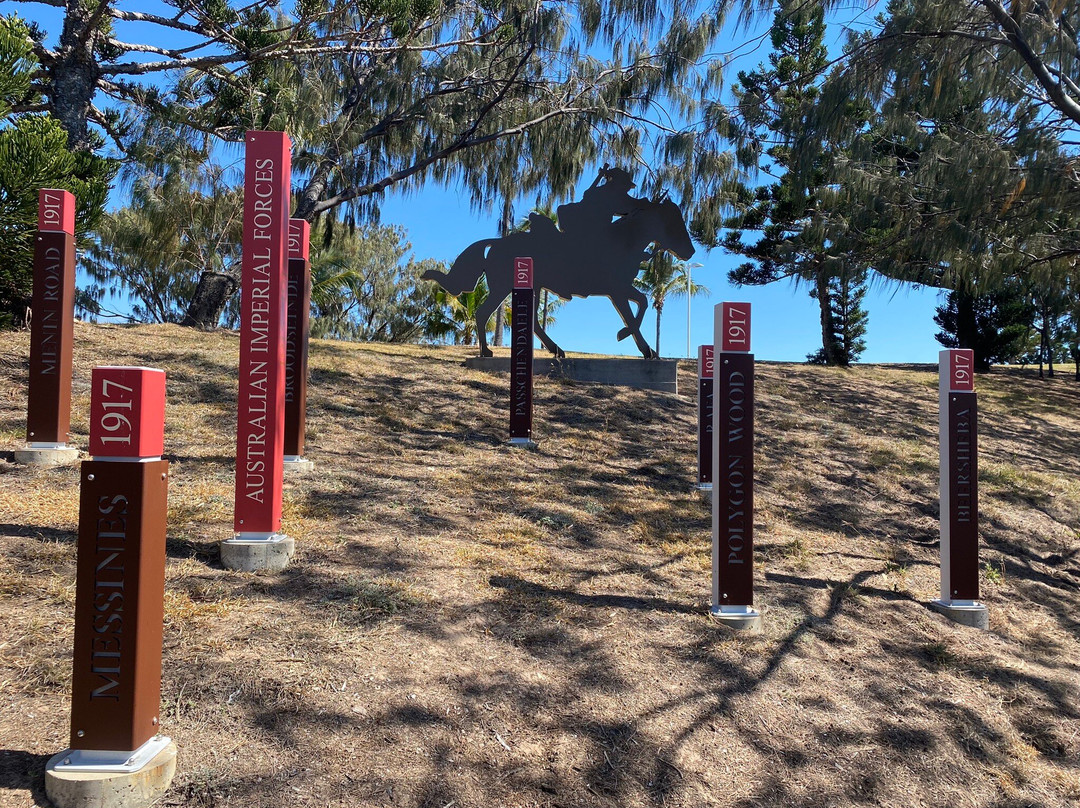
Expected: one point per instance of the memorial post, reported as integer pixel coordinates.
(117, 756)
(52, 324)
(258, 543)
(297, 329)
(521, 354)
(733, 470)
(958, 462)
(705, 418)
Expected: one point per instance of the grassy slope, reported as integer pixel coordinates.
(473, 625)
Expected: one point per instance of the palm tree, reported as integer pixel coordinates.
(664, 276)
(458, 314)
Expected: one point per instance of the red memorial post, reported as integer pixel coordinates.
(52, 323)
(733, 470)
(705, 417)
(521, 354)
(119, 595)
(958, 418)
(296, 345)
(260, 433)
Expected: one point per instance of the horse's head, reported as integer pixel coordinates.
(674, 235)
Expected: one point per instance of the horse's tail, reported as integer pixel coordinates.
(466, 271)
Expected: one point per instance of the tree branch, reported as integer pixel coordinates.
(1018, 42)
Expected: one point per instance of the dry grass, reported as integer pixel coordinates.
(469, 625)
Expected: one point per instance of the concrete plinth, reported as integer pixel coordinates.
(110, 789)
(742, 619)
(522, 443)
(255, 555)
(645, 374)
(297, 465)
(57, 456)
(970, 613)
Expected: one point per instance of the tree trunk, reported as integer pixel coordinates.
(1044, 344)
(500, 325)
(506, 227)
(316, 186)
(1048, 338)
(967, 328)
(74, 74)
(213, 293)
(659, 310)
(828, 329)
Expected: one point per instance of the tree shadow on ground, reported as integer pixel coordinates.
(24, 771)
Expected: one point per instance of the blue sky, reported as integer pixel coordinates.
(785, 322)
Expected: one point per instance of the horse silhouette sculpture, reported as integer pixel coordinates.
(590, 254)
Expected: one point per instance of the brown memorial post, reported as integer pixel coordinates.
(705, 418)
(521, 354)
(115, 743)
(733, 470)
(297, 328)
(958, 419)
(260, 432)
(52, 323)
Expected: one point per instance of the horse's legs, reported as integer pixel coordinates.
(633, 325)
(639, 297)
(548, 342)
(496, 296)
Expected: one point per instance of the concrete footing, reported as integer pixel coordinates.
(522, 443)
(295, 465)
(55, 456)
(742, 619)
(255, 555)
(110, 789)
(970, 613)
(704, 491)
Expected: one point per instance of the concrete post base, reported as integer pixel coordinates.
(256, 555)
(522, 443)
(103, 789)
(294, 464)
(742, 619)
(704, 491)
(61, 456)
(971, 613)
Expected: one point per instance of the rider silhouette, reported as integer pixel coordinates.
(608, 196)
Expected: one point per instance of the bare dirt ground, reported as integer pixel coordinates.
(470, 625)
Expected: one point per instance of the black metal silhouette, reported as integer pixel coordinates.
(589, 254)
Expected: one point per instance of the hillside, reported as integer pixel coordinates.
(470, 625)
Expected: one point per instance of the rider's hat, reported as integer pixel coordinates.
(619, 176)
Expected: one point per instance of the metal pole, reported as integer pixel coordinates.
(688, 311)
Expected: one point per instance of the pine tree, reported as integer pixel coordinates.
(848, 320)
(959, 179)
(994, 325)
(34, 155)
(791, 214)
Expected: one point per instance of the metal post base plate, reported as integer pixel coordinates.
(100, 760)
